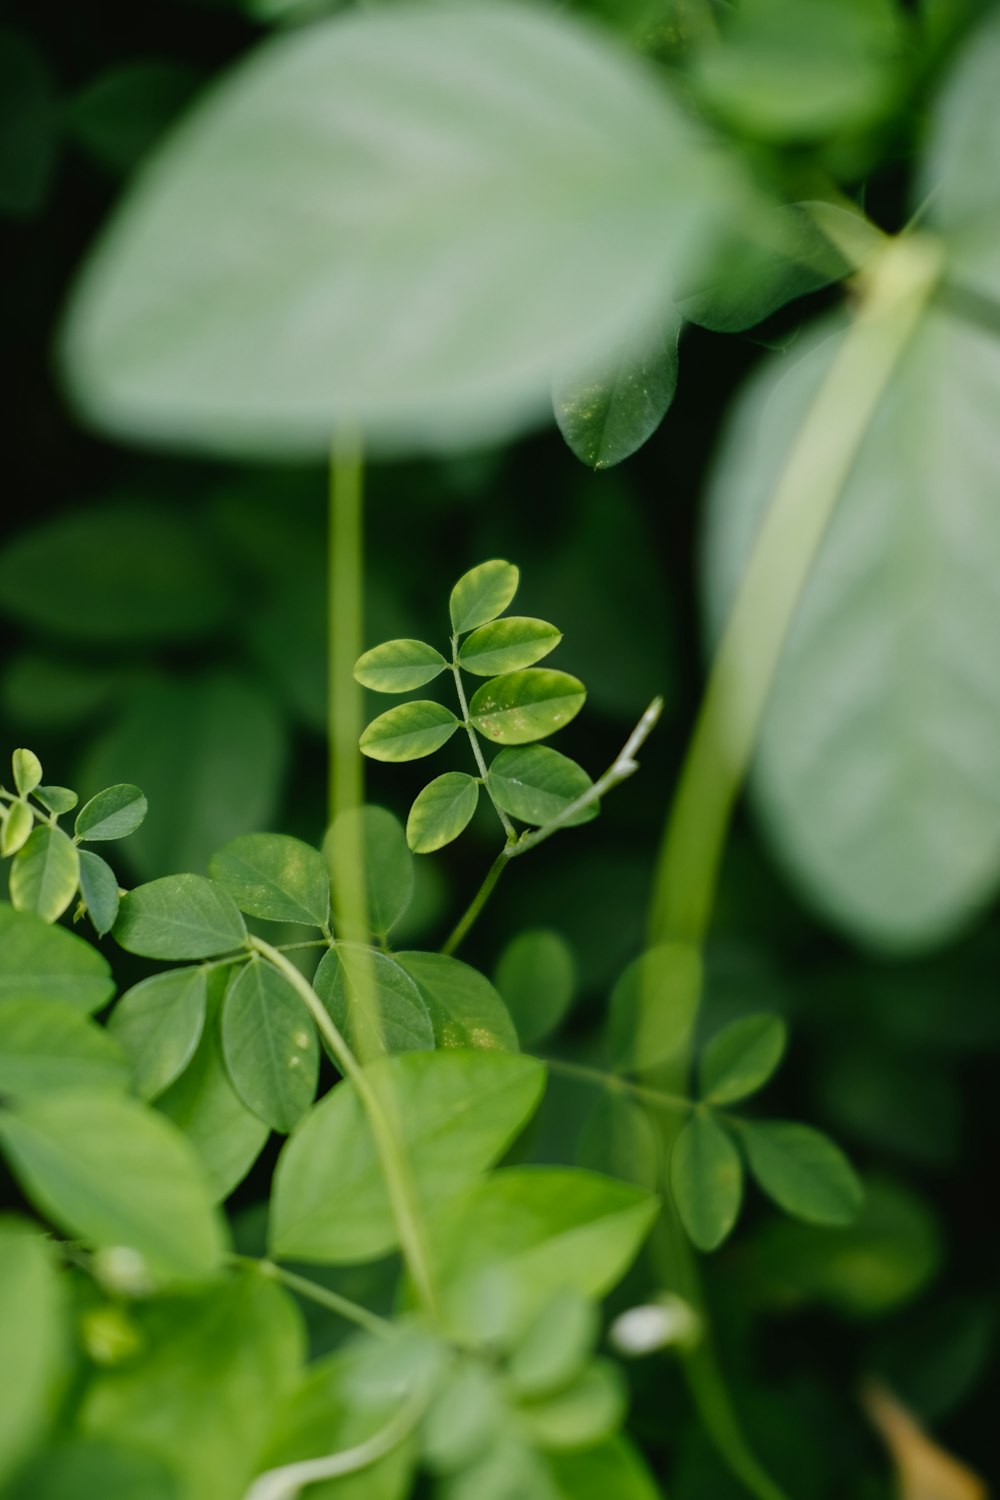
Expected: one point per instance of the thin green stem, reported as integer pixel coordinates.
(456, 671)
(478, 901)
(344, 1307)
(346, 625)
(614, 1083)
(388, 1140)
(285, 1483)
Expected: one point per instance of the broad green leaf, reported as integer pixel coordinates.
(409, 731)
(227, 1136)
(115, 1173)
(607, 412)
(80, 1468)
(269, 1043)
(465, 1417)
(803, 1171)
(112, 814)
(613, 1468)
(45, 692)
(878, 761)
(536, 975)
(29, 126)
(524, 706)
(158, 1023)
(457, 1111)
(507, 645)
(621, 1139)
(507, 1467)
(589, 1410)
(27, 769)
(228, 727)
(58, 799)
(536, 784)
(706, 1176)
(373, 1002)
(99, 890)
(34, 1335)
(537, 228)
(482, 593)
(45, 873)
(18, 822)
(275, 877)
(741, 1058)
(215, 1368)
(40, 962)
(46, 1048)
(653, 1006)
(398, 666)
(120, 573)
(180, 916)
(556, 1345)
(465, 1009)
(117, 117)
(373, 838)
(441, 811)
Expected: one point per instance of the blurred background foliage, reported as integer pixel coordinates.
(163, 624)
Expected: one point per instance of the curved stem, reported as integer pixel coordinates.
(478, 901)
(344, 1307)
(286, 1482)
(614, 1083)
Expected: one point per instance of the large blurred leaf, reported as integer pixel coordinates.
(31, 1317)
(40, 962)
(118, 116)
(82, 1468)
(878, 768)
(46, 1048)
(402, 218)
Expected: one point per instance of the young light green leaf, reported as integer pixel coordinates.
(524, 706)
(482, 593)
(653, 1006)
(465, 1417)
(45, 873)
(373, 1002)
(35, 1340)
(17, 826)
(112, 814)
(27, 769)
(158, 1023)
(607, 412)
(588, 1410)
(536, 975)
(42, 963)
(459, 1112)
(409, 731)
(275, 877)
(803, 1171)
(507, 645)
(372, 837)
(706, 1176)
(398, 666)
(180, 916)
(536, 784)
(269, 1043)
(115, 1173)
(441, 811)
(465, 1009)
(555, 1346)
(47, 1048)
(58, 799)
(99, 890)
(741, 1058)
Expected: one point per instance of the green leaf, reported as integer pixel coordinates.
(459, 1112)
(507, 645)
(706, 1176)
(524, 706)
(556, 1345)
(215, 1368)
(31, 1315)
(542, 224)
(275, 877)
(373, 1002)
(536, 784)
(115, 1173)
(373, 838)
(29, 126)
(40, 962)
(621, 1139)
(741, 1058)
(99, 891)
(227, 1136)
(653, 1006)
(159, 1023)
(80, 1468)
(482, 593)
(45, 873)
(398, 666)
(607, 412)
(47, 1048)
(465, 1417)
(803, 1171)
(587, 1411)
(269, 1043)
(27, 769)
(464, 1008)
(879, 757)
(613, 1468)
(118, 116)
(112, 814)
(441, 811)
(180, 916)
(58, 799)
(409, 731)
(536, 975)
(17, 825)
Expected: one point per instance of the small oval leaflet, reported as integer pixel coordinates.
(17, 826)
(99, 890)
(741, 1058)
(270, 1047)
(524, 706)
(112, 814)
(441, 811)
(536, 976)
(398, 666)
(706, 1175)
(180, 916)
(803, 1171)
(465, 1009)
(508, 645)
(482, 593)
(409, 732)
(536, 784)
(373, 838)
(159, 1023)
(58, 799)
(27, 769)
(45, 873)
(273, 876)
(373, 1001)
